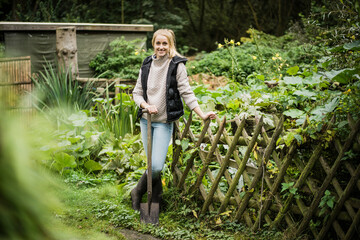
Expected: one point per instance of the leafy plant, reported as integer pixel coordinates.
(330, 23)
(327, 202)
(289, 188)
(115, 115)
(124, 155)
(75, 145)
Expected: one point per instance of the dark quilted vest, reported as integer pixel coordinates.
(174, 105)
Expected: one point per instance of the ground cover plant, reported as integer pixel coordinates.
(106, 206)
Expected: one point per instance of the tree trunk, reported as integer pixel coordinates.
(122, 12)
(66, 50)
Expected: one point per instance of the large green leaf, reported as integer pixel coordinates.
(63, 160)
(294, 113)
(320, 112)
(354, 46)
(314, 79)
(83, 153)
(91, 165)
(330, 106)
(234, 104)
(292, 80)
(305, 93)
(293, 70)
(184, 144)
(80, 119)
(342, 76)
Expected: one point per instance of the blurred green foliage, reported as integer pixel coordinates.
(26, 203)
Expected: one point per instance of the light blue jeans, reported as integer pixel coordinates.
(161, 134)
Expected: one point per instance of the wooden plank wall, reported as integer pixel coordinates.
(249, 186)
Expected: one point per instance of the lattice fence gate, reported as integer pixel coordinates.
(254, 171)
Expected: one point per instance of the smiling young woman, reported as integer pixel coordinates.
(161, 86)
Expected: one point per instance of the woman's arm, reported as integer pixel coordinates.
(188, 95)
(139, 99)
(138, 92)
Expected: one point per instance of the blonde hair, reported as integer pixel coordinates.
(169, 34)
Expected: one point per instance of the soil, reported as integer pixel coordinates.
(213, 82)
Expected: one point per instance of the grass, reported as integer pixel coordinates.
(78, 217)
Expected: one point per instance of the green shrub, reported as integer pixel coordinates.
(122, 59)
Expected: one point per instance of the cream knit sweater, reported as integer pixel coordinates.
(157, 87)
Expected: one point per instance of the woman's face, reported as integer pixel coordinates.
(161, 46)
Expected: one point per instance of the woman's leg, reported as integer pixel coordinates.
(138, 191)
(161, 135)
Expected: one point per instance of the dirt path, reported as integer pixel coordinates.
(133, 235)
(211, 81)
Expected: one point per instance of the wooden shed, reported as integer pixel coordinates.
(38, 40)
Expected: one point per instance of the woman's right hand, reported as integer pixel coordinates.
(151, 109)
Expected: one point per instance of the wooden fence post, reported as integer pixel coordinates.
(66, 50)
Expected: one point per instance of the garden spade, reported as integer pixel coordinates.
(149, 211)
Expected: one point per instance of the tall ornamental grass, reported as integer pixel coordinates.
(55, 88)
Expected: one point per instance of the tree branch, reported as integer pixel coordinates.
(190, 17)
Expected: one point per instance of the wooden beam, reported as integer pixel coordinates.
(14, 83)
(40, 26)
(14, 59)
(120, 81)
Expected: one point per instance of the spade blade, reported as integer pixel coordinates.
(149, 215)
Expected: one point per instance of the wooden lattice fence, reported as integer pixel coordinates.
(247, 175)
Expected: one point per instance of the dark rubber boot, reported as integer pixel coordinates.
(157, 190)
(137, 193)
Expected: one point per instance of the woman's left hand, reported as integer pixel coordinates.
(204, 116)
(211, 115)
